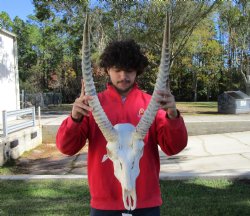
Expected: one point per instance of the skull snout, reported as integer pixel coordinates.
(129, 199)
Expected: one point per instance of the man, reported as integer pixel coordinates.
(123, 102)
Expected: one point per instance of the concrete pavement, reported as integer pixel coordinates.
(196, 124)
(210, 156)
(218, 155)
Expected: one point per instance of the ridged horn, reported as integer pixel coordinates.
(99, 115)
(161, 83)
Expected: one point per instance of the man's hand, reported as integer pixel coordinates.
(167, 102)
(81, 106)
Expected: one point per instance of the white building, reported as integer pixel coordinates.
(9, 81)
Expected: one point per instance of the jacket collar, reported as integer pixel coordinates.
(113, 93)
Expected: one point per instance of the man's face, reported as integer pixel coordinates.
(122, 79)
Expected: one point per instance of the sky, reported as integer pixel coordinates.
(20, 8)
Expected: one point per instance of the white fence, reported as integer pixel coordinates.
(22, 119)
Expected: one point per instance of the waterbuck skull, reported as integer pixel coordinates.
(124, 141)
(125, 154)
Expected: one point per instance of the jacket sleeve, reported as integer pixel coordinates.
(71, 136)
(171, 133)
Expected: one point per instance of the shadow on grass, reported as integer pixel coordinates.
(71, 197)
(44, 197)
(206, 197)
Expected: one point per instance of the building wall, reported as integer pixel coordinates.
(13, 146)
(9, 82)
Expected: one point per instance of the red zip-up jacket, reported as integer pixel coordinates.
(105, 189)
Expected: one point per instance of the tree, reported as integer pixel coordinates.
(235, 19)
(200, 62)
(5, 21)
(28, 40)
(50, 43)
(146, 27)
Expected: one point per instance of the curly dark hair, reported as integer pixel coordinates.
(125, 55)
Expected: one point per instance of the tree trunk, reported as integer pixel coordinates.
(208, 92)
(195, 86)
(246, 77)
(248, 88)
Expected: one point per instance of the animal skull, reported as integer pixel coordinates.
(124, 141)
(125, 154)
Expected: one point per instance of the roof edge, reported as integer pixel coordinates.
(7, 33)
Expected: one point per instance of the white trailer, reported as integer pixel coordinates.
(24, 136)
(9, 79)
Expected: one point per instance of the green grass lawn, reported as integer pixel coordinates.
(71, 197)
(8, 168)
(60, 107)
(198, 108)
(185, 107)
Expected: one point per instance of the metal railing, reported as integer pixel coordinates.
(19, 123)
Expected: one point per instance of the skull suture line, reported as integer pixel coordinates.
(124, 141)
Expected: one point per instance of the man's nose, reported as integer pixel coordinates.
(123, 74)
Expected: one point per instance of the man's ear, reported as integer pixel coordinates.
(108, 71)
